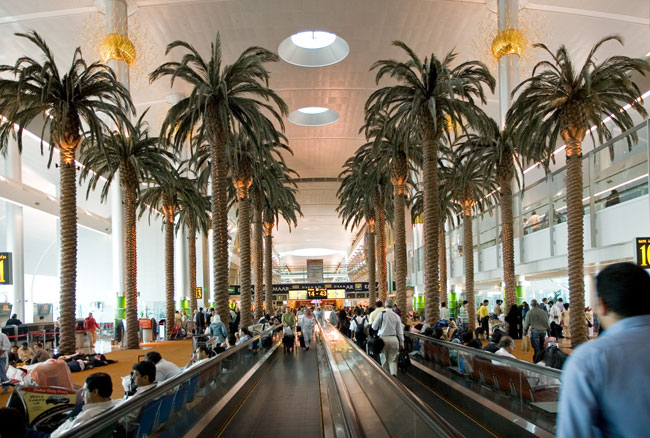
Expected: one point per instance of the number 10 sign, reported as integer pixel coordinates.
(642, 252)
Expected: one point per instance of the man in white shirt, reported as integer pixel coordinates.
(554, 317)
(444, 312)
(144, 378)
(164, 368)
(5, 346)
(506, 348)
(389, 327)
(533, 222)
(97, 398)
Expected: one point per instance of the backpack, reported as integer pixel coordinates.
(360, 331)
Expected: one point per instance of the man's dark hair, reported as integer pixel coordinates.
(499, 301)
(465, 302)
(496, 336)
(232, 339)
(204, 349)
(153, 356)
(485, 301)
(625, 288)
(146, 368)
(379, 304)
(101, 382)
(13, 422)
(14, 316)
(467, 336)
(200, 309)
(443, 304)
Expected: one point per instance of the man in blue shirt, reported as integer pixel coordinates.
(605, 381)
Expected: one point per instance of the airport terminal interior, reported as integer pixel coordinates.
(313, 218)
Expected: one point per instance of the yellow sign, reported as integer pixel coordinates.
(44, 401)
(198, 293)
(5, 268)
(643, 252)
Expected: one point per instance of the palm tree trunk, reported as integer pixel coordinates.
(442, 257)
(508, 246)
(169, 269)
(382, 271)
(131, 264)
(468, 258)
(575, 228)
(257, 259)
(431, 219)
(370, 260)
(217, 135)
(68, 216)
(192, 270)
(268, 264)
(244, 227)
(400, 250)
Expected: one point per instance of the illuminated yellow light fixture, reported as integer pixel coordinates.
(116, 46)
(508, 42)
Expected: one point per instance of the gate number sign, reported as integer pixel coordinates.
(5, 268)
(643, 252)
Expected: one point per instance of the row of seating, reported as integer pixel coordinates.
(498, 377)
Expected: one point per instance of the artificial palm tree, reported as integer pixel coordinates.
(222, 96)
(501, 158)
(429, 95)
(464, 172)
(138, 158)
(278, 198)
(82, 94)
(247, 161)
(450, 211)
(559, 101)
(356, 206)
(257, 249)
(164, 193)
(193, 215)
(397, 155)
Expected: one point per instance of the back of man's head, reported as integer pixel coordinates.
(101, 382)
(533, 303)
(485, 302)
(467, 336)
(506, 341)
(379, 304)
(146, 369)
(390, 303)
(153, 356)
(625, 289)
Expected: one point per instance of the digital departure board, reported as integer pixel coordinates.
(316, 293)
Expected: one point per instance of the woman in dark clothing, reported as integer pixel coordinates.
(344, 323)
(513, 318)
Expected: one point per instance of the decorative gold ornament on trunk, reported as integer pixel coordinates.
(508, 42)
(116, 46)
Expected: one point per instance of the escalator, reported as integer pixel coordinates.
(284, 402)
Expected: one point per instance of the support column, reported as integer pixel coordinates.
(116, 18)
(506, 47)
(205, 268)
(15, 233)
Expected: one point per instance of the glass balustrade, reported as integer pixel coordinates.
(615, 173)
(527, 390)
(173, 407)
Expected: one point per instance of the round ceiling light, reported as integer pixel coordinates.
(313, 116)
(313, 48)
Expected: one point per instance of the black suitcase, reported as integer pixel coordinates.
(301, 338)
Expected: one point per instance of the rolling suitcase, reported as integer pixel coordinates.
(301, 338)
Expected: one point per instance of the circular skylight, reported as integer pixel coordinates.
(313, 48)
(313, 116)
(313, 39)
(312, 110)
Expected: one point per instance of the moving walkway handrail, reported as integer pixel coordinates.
(109, 417)
(352, 422)
(432, 418)
(515, 363)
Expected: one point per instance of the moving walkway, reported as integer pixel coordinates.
(256, 389)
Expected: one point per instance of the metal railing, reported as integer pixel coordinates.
(170, 386)
(423, 412)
